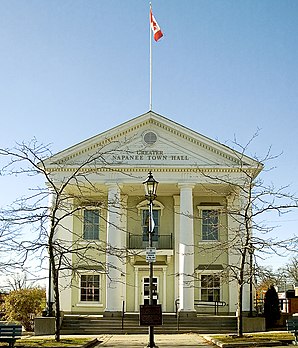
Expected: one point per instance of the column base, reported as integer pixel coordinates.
(111, 314)
(187, 314)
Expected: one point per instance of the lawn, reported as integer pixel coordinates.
(48, 342)
(255, 337)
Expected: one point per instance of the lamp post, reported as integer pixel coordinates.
(150, 185)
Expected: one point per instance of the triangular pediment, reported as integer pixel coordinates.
(150, 140)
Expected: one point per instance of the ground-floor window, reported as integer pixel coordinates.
(90, 287)
(210, 287)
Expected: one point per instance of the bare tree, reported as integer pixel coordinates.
(251, 204)
(18, 281)
(291, 270)
(45, 210)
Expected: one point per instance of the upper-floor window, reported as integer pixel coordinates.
(91, 224)
(210, 224)
(145, 224)
(210, 216)
(157, 211)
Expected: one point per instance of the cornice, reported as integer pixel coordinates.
(145, 169)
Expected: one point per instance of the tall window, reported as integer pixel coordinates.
(210, 287)
(210, 224)
(91, 224)
(90, 288)
(145, 225)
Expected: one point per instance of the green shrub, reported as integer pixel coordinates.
(22, 305)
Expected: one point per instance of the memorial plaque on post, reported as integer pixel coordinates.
(150, 315)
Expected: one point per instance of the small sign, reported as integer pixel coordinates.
(151, 254)
(150, 315)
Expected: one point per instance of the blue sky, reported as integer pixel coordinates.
(72, 69)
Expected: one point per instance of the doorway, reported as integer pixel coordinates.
(146, 290)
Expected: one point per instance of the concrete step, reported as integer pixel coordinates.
(105, 325)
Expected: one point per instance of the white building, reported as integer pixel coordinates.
(193, 228)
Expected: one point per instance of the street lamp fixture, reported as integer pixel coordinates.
(150, 185)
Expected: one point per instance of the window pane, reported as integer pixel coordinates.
(210, 287)
(90, 290)
(210, 224)
(91, 224)
(204, 295)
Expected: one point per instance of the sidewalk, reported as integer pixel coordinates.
(173, 340)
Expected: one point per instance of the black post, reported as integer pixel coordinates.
(151, 328)
(150, 188)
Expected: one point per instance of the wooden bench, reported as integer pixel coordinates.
(292, 326)
(10, 333)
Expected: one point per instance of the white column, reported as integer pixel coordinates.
(244, 202)
(64, 238)
(124, 200)
(233, 254)
(164, 294)
(237, 235)
(114, 280)
(50, 285)
(176, 239)
(137, 289)
(186, 250)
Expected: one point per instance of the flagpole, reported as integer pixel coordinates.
(150, 64)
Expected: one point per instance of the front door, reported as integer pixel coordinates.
(146, 290)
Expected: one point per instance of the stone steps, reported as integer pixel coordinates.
(107, 325)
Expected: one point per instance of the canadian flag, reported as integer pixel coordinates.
(157, 33)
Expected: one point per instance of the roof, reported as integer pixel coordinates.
(173, 146)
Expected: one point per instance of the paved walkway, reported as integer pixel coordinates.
(175, 340)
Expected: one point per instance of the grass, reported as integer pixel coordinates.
(253, 337)
(48, 342)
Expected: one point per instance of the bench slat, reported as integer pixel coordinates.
(10, 333)
(292, 326)
(10, 330)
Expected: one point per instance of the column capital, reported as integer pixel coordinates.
(189, 185)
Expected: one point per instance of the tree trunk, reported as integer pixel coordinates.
(239, 311)
(57, 305)
(55, 274)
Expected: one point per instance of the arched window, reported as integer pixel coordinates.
(143, 210)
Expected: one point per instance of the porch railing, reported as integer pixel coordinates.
(201, 303)
(163, 241)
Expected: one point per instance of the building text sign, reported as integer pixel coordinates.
(153, 155)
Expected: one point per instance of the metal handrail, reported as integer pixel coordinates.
(283, 305)
(164, 241)
(122, 316)
(214, 304)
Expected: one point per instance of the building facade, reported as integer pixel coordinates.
(104, 219)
